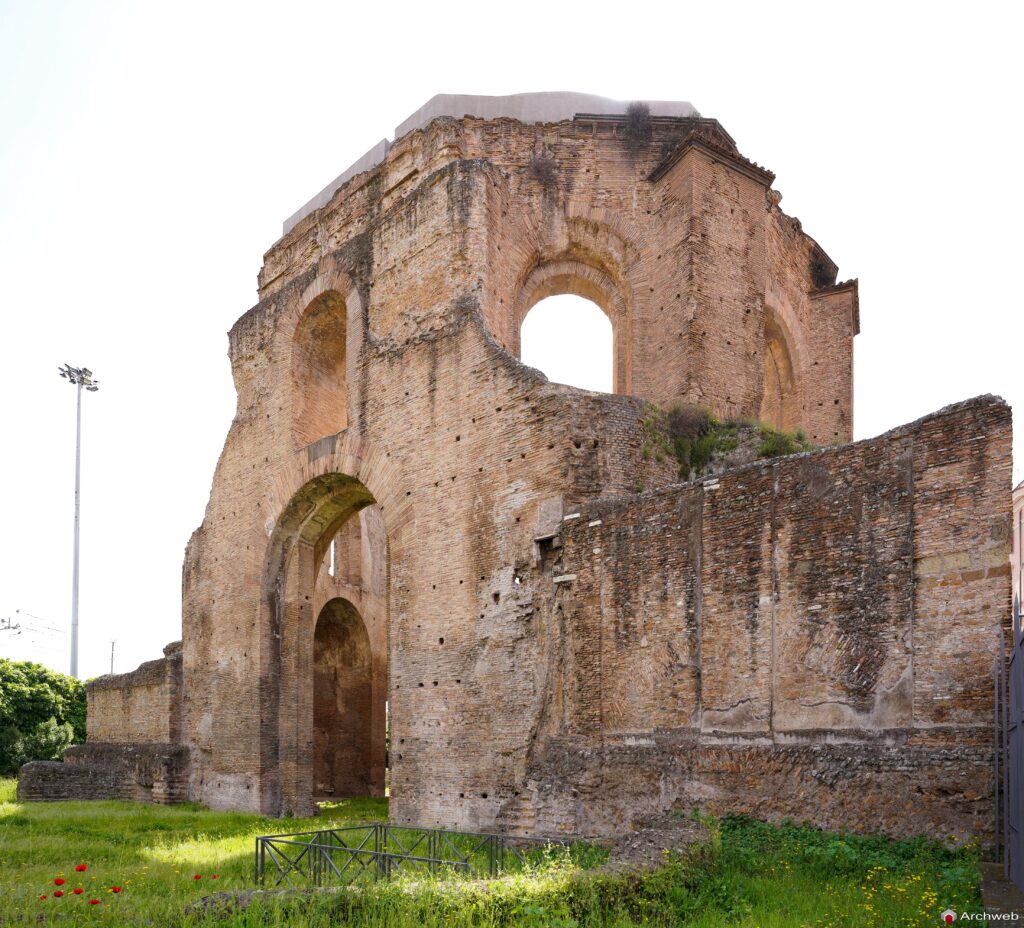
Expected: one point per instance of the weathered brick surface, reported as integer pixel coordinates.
(542, 673)
(1017, 554)
(845, 616)
(143, 706)
(110, 770)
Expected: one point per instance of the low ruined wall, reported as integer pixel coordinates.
(807, 637)
(142, 707)
(141, 772)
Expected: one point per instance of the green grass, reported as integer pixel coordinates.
(748, 875)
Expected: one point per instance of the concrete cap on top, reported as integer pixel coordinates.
(548, 106)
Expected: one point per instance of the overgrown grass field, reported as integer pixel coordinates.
(749, 874)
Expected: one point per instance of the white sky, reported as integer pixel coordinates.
(149, 153)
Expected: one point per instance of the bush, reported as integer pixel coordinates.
(638, 125)
(775, 444)
(697, 439)
(42, 712)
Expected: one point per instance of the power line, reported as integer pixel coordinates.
(49, 628)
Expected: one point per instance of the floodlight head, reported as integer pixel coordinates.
(80, 376)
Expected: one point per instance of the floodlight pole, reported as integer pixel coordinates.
(81, 377)
(74, 569)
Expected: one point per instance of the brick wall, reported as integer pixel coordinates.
(808, 637)
(143, 706)
(1017, 554)
(109, 770)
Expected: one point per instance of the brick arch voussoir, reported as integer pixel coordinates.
(631, 269)
(581, 279)
(345, 454)
(329, 277)
(626, 230)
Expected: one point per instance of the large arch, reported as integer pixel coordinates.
(317, 493)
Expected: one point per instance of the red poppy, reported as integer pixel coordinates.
(197, 877)
(42, 897)
(215, 877)
(58, 882)
(58, 894)
(115, 889)
(77, 890)
(81, 868)
(94, 902)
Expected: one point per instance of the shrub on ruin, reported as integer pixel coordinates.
(775, 443)
(638, 125)
(544, 169)
(701, 443)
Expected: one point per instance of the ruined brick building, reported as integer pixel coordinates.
(410, 528)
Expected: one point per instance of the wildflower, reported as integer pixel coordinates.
(215, 877)
(58, 893)
(77, 890)
(58, 882)
(197, 877)
(115, 889)
(81, 868)
(43, 896)
(94, 902)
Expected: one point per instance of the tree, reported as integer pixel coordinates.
(42, 712)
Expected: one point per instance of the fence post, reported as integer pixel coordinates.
(995, 745)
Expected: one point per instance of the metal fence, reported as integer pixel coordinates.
(1009, 749)
(359, 853)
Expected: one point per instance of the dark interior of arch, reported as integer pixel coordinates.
(342, 703)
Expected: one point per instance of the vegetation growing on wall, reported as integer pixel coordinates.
(702, 443)
(42, 712)
(638, 125)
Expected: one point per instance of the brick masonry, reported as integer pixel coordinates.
(810, 637)
(776, 641)
(1017, 554)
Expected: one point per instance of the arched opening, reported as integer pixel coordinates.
(570, 339)
(319, 392)
(350, 697)
(326, 640)
(342, 704)
(778, 405)
(572, 321)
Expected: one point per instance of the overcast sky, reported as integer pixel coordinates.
(149, 153)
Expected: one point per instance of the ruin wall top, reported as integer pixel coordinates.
(548, 106)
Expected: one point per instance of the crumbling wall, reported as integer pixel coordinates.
(110, 770)
(140, 707)
(807, 637)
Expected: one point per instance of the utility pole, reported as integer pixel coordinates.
(112, 643)
(81, 377)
